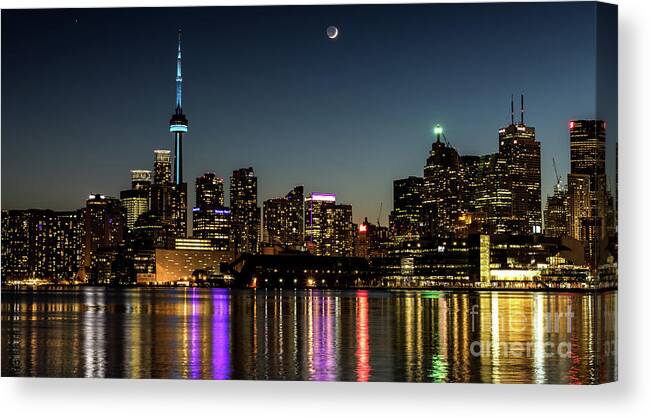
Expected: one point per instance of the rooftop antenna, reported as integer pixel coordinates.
(522, 109)
(379, 214)
(512, 118)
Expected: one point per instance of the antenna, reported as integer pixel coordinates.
(522, 109)
(512, 120)
(179, 77)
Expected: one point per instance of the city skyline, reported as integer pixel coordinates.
(372, 172)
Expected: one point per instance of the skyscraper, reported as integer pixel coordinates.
(162, 187)
(587, 186)
(493, 196)
(518, 145)
(245, 213)
(209, 191)
(104, 229)
(328, 226)
(316, 220)
(283, 220)
(557, 213)
(442, 188)
(404, 220)
(210, 219)
(136, 199)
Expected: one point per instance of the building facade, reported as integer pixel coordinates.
(245, 213)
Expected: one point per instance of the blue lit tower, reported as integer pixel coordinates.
(179, 126)
(178, 122)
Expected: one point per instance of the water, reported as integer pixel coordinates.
(416, 336)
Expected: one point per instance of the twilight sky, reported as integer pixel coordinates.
(87, 94)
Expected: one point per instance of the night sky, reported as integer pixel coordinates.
(87, 94)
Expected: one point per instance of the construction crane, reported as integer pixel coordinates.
(558, 178)
(379, 214)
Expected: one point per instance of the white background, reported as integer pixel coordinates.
(630, 396)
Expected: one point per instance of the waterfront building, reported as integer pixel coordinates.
(210, 218)
(41, 243)
(338, 235)
(245, 213)
(519, 147)
(283, 220)
(404, 220)
(183, 265)
(587, 186)
(441, 189)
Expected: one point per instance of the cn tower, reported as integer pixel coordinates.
(178, 122)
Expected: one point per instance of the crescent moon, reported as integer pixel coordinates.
(333, 32)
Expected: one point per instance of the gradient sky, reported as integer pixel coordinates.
(87, 94)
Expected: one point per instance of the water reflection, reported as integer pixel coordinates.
(499, 337)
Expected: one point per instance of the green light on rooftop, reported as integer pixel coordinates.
(438, 130)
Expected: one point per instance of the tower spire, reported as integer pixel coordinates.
(179, 77)
(521, 109)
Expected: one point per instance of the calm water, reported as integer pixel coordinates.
(420, 336)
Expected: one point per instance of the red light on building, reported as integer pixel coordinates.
(571, 124)
(362, 228)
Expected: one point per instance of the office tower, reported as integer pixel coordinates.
(162, 187)
(404, 220)
(245, 213)
(493, 196)
(210, 218)
(283, 220)
(441, 190)
(557, 213)
(518, 145)
(136, 199)
(209, 191)
(469, 182)
(162, 166)
(587, 186)
(104, 229)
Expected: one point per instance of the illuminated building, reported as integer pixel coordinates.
(245, 213)
(493, 196)
(283, 220)
(213, 224)
(136, 199)
(338, 236)
(162, 187)
(41, 243)
(328, 226)
(518, 145)
(210, 218)
(104, 228)
(370, 240)
(209, 192)
(404, 220)
(173, 265)
(441, 190)
(587, 187)
(557, 221)
(470, 181)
